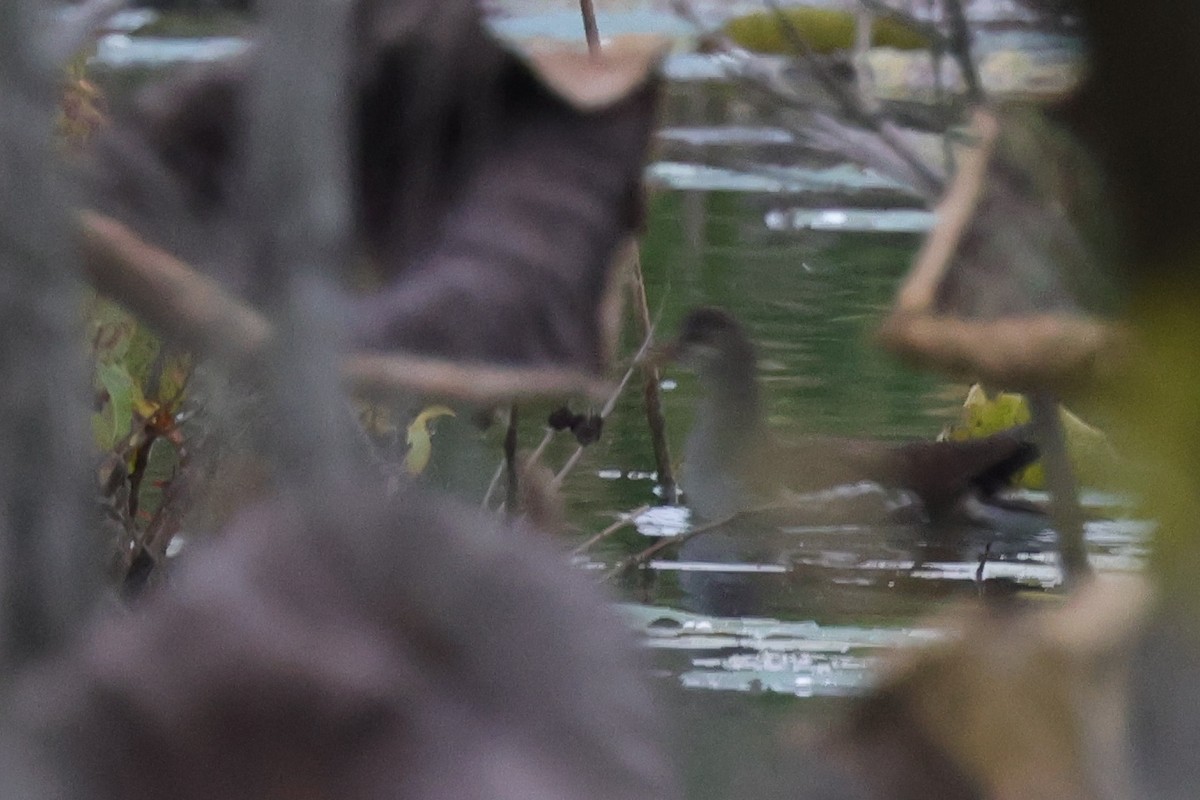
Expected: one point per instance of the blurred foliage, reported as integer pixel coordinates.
(140, 388)
(81, 109)
(382, 423)
(1159, 416)
(139, 383)
(826, 30)
(1095, 460)
(136, 379)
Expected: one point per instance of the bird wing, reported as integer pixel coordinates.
(939, 472)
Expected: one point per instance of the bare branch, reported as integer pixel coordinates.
(671, 541)
(626, 520)
(651, 393)
(955, 212)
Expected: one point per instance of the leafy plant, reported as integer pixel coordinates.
(1095, 461)
(136, 378)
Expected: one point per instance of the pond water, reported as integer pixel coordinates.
(775, 624)
(826, 601)
(808, 254)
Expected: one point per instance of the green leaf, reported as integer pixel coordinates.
(118, 412)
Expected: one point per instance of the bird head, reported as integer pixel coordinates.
(707, 337)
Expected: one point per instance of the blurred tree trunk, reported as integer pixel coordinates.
(1137, 114)
(49, 554)
(298, 198)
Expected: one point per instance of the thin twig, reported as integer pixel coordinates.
(845, 98)
(941, 98)
(626, 519)
(960, 46)
(510, 461)
(533, 459)
(495, 481)
(542, 445)
(937, 51)
(1064, 491)
(652, 393)
(570, 463)
(608, 408)
(590, 30)
(983, 559)
(669, 541)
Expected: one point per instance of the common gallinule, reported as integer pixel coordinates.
(732, 464)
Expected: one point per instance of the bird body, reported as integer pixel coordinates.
(732, 464)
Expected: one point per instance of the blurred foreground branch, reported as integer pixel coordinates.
(49, 564)
(299, 198)
(194, 310)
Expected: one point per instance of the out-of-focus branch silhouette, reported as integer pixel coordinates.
(331, 639)
(49, 559)
(298, 202)
(488, 227)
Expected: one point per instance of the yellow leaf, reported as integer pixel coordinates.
(141, 406)
(1092, 455)
(419, 438)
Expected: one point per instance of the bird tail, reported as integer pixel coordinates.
(1000, 474)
